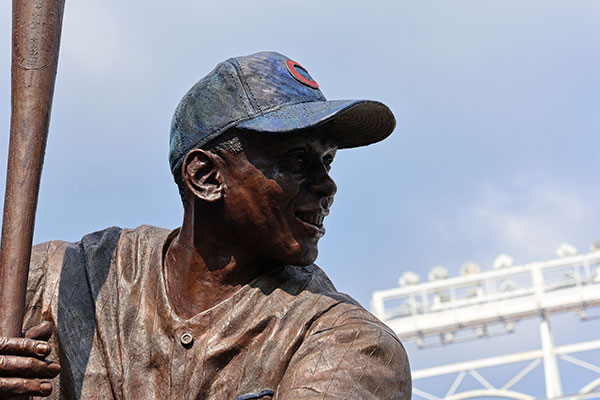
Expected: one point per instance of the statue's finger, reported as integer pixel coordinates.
(18, 386)
(28, 367)
(42, 331)
(24, 347)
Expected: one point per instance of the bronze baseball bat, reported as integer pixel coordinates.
(35, 43)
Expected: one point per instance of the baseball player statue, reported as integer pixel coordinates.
(230, 305)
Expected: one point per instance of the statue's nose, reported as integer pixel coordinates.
(323, 185)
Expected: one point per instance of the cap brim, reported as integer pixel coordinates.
(357, 122)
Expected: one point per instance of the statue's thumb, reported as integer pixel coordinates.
(42, 331)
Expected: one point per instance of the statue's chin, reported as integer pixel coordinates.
(306, 258)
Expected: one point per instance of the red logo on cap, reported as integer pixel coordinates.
(302, 77)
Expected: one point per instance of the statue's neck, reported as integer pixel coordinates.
(201, 272)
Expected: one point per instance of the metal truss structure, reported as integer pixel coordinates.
(479, 303)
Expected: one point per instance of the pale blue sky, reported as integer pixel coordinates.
(497, 147)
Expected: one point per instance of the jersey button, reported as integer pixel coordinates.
(186, 339)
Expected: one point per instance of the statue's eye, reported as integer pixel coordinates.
(295, 160)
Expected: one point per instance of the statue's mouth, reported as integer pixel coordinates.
(311, 218)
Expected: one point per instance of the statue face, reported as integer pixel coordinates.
(277, 194)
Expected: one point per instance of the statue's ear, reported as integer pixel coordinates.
(201, 176)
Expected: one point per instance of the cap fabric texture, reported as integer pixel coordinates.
(269, 93)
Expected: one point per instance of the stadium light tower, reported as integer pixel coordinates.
(477, 302)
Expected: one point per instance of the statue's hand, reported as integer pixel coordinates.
(24, 369)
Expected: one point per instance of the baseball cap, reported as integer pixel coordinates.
(269, 93)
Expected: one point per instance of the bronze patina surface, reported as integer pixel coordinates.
(230, 305)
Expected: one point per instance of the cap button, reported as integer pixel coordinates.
(186, 339)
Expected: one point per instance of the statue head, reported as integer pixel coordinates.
(252, 143)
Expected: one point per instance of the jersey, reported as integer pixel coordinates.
(287, 334)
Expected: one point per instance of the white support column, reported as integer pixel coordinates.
(377, 305)
(551, 372)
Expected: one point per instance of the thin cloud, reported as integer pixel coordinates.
(531, 219)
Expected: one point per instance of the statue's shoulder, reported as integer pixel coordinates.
(114, 237)
(95, 247)
(358, 348)
(337, 308)
(307, 282)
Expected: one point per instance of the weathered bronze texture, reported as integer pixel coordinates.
(36, 39)
(228, 306)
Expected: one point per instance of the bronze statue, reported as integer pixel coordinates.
(230, 305)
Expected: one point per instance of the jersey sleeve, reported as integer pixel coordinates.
(348, 354)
